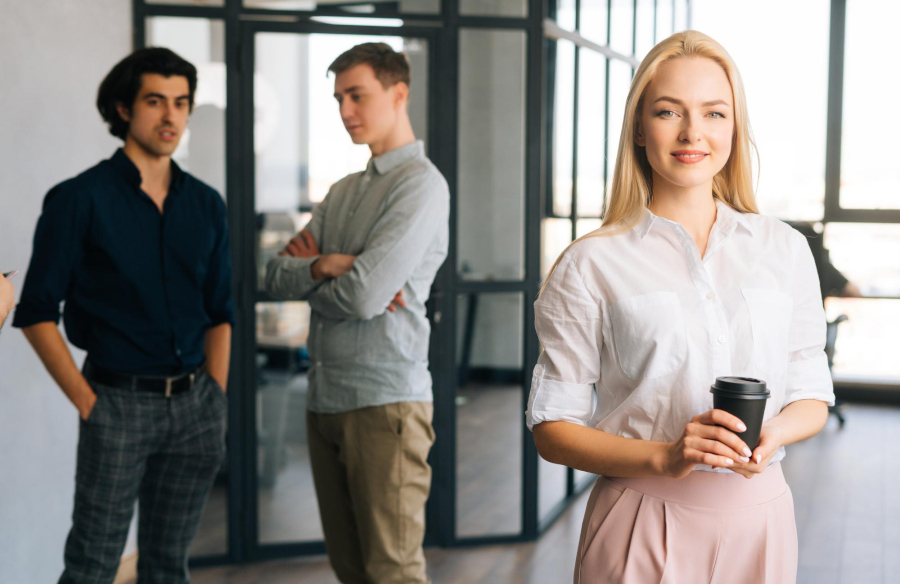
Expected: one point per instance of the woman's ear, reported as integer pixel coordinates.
(639, 133)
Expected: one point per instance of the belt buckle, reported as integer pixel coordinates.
(168, 387)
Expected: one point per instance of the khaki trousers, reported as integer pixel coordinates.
(372, 479)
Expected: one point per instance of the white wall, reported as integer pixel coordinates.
(53, 55)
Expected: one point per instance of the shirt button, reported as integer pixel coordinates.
(721, 338)
(710, 295)
(318, 363)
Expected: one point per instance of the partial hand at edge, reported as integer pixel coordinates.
(397, 302)
(7, 297)
(303, 245)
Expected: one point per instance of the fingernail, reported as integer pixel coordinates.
(745, 459)
(729, 461)
(758, 458)
(742, 427)
(747, 452)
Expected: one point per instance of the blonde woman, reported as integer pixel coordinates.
(684, 282)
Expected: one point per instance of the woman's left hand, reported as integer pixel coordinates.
(769, 443)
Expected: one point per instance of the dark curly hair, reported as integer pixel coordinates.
(123, 83)
(390, 66)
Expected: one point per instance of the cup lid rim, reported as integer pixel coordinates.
(739, 384)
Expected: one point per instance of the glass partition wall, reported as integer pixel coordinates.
(516, 101)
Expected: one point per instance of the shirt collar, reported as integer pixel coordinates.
(131, 173)
(730, 216)
(645, 223)
(725, 216)
(393, 158)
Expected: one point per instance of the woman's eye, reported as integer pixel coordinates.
(717, 115)
(666, 114)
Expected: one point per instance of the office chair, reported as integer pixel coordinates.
(831, 332)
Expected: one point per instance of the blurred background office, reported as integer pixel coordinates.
(520, 105)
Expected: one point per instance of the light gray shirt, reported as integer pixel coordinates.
(394, 218)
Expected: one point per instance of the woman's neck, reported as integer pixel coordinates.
(694, 208)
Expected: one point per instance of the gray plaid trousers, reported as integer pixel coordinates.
(164, 452)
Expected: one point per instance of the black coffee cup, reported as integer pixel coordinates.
(745, 398)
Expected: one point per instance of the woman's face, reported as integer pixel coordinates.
(687, 122)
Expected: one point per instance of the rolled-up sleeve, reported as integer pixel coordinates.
(808, 376)
(58, 250)
(568, 324)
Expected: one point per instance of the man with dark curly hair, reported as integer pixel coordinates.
(138, 250)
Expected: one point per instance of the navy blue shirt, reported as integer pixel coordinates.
(140, 287)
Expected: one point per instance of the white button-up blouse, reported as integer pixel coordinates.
(635, 327)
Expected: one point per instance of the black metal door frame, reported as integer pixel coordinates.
(254, 550)
(442, 32)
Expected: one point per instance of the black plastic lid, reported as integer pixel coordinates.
(741, 385)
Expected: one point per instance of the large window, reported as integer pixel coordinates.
(788, 123)
(594, 49)
(870, 174)
(826, 153)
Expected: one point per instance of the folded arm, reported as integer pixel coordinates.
(289, 276)
(397, 244)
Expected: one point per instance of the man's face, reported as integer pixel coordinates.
(159, 115)
(369, 111)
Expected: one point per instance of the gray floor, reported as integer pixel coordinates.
(847, 517)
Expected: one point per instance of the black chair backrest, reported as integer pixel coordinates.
(831, 331)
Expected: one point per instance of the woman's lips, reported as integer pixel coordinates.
(689, 156)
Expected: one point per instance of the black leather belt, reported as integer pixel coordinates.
(167, 386)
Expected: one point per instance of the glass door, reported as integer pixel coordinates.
(300, 148)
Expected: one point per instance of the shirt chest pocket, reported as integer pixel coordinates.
(648, 335)
(770, 324)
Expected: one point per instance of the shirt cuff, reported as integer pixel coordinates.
(28, 315)
(221, 317)
(552, 401)
(809, 379)
(290, 278)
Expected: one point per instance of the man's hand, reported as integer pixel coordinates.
(332, 265)
(397, 302)
(7, 298)
(303, 245)
(85, 404)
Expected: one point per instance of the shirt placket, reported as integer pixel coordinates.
(171, 296)
(716, 324)
(354, 202)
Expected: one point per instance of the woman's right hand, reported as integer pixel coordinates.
(705, 441)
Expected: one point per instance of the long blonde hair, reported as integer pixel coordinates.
(631, 188)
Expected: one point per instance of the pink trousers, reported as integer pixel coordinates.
(709, 528)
